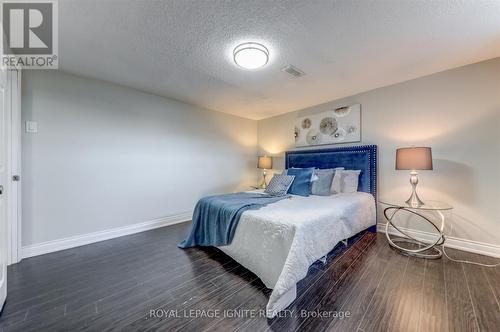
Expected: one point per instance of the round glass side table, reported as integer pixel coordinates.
(424, 250)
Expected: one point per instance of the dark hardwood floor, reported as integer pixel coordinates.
(116, 284)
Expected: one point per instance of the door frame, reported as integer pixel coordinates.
(13, 124)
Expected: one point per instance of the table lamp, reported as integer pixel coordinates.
(413, 159)
(264, 163)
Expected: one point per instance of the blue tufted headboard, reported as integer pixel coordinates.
(362, 157)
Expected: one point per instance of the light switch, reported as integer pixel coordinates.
(31, 127)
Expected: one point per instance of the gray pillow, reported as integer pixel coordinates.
(279, 184)
(321, 187)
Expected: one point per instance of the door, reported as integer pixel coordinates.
(3, 178)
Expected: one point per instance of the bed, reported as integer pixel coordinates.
(279, 242)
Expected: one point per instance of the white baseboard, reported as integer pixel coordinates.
(80, 240)
(451, 242)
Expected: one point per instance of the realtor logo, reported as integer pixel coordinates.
(29, 34)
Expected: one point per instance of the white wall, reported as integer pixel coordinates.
(457, 113)
(106, 156)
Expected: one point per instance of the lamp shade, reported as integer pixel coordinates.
(414, 158)
(265, 162)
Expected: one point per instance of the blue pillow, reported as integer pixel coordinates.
(301, 185)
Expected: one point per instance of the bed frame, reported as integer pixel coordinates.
(363, 157)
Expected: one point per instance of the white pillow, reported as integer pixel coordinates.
(314, 177)
(349, 181)
(336, 183)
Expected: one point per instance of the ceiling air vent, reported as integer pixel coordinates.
(294, 71)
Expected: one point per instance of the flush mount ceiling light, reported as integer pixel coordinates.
(251, 55)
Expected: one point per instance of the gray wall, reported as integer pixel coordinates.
(457, 113)
(106, 156)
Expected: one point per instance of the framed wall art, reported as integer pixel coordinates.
(340, 125)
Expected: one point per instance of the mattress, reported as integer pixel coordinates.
(279, 242)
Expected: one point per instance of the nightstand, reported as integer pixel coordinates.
(394, 207)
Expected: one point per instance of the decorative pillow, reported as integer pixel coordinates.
(337, 181)
(301, 185)
(313, 178)
(279, 185)
(322, 186)
(349, 181)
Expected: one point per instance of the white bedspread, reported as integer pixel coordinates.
(280, 241)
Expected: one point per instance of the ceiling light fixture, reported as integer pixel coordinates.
(251, 55)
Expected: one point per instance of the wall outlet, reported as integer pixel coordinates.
(31, 127)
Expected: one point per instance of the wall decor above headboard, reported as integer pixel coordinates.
(339, 125)
(363, 157)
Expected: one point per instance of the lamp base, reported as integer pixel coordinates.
(263, 185)
(414, 201)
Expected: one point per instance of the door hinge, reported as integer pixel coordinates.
(16, 178)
